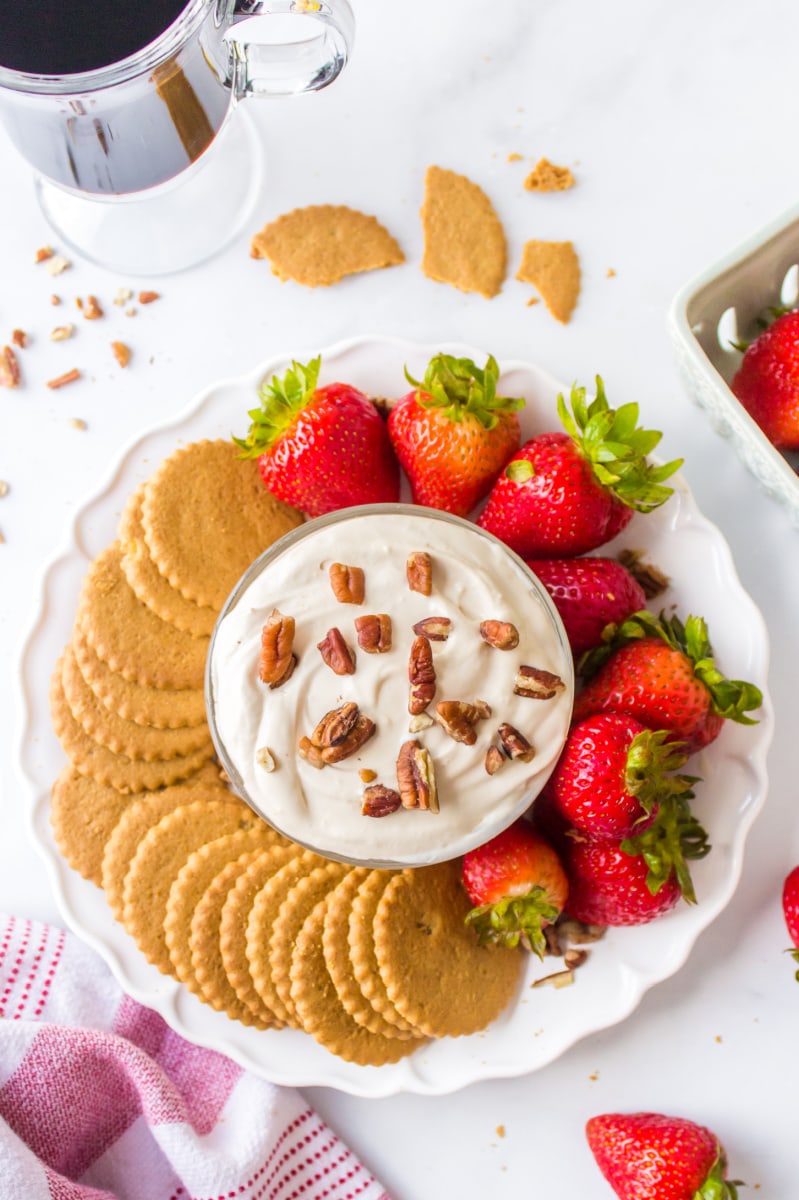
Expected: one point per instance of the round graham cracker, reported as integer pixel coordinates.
(150, 585)
(82, 814)
(115, 770)
(206, 516)
(361, 940)
(191, 883)
(163, 708)
(161, 854)
(335, 944)
(434, 968)
(319, 1010)
(129, 637)
(143, 743)
(210, 975)
(260, 923)
(235, 914)
(293, 911)
(142, 814)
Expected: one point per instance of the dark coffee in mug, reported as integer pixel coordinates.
(66, 37)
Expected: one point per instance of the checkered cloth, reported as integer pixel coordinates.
(101, 1100)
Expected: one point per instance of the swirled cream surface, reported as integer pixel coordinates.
(257, 729)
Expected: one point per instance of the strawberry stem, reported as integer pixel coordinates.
(515, 918)
(461, 388)
(674, 837)
(617, 448)
(281, 400)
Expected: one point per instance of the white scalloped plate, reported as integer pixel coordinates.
(545, 1021)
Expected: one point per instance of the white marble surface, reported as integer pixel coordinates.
(677, 121)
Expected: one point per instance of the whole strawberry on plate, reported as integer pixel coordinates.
(633, 880)
(589, 593)
(767, 381)
(518, 886)
(790, 910)
(613, 775)
(320, 448)
(453, 434)
(662, 672)
(567, 493)
(649, 1156)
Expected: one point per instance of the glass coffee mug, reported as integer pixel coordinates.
(138, 165)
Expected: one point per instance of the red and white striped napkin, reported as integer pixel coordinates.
(101, 1100)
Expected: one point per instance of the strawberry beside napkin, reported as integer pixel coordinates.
(101, 1100)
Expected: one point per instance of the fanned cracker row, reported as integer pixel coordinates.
(207, 516)
(553, 268)
(318, 245)
(464, 241)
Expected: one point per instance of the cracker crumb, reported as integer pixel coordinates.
(500, 1131)
(610, 273)
(62, 380)
(78, 423)
(547, 177)
(514, 156)
(553, 268)
(594, 1076)
(57, 264)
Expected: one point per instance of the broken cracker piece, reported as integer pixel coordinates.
(553, 268)
(320, 244)
(464, 241)
(547, 177)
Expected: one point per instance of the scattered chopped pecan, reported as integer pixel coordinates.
(419, 572)
(92, 309)
(121, 353)
(62, 380)
(514, 744)
(148, 297)
(347, 583)
(56, 264)
(458, 718)
(420, 721)
(502, 635)
(650, 577)
(43, 253)
(19, 337)
(277, 659)
(416, 777)
(537, 683)
(374, 632)
(421, 675)
(336, 725)
(437, 629)
(336, 653)
(557, 979)
(357, 737)
(9, 368)
(380, 801)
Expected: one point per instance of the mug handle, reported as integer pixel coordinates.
(307, 44)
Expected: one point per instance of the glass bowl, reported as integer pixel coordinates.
(257, 729)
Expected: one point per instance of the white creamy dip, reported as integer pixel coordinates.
(475, 578)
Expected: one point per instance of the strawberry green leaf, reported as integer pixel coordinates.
(715, 1186)
(649, 759)
(612, 442)
(515, 919)
(674, 837)
(460, 388)
(282, 399)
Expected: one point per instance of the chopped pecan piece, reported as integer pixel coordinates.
(419, 572)
(420, 721)
(336, 653)
(436, 629)
(357, 737)
(347, 583)
(92, 309)
(421, 675)
(502, 635)
(9, 368)
(537, 683)
(336, 725)
(514, 744)
(374, 633)
(494, 759)
(367, 775)
(380, 801)
(312, 754)
(416, 777)
(277, 658)
(265, 758)
(458, 718)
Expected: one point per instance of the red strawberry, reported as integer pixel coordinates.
(564, 494)
(630, 882)
(648, 1156)
(662, 672)
(320, 448)
(589, 593)
(767, 381)
(518, 885)
(453, 434)
(611, 776)
(790, 909)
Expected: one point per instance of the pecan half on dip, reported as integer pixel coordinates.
(387, 725)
